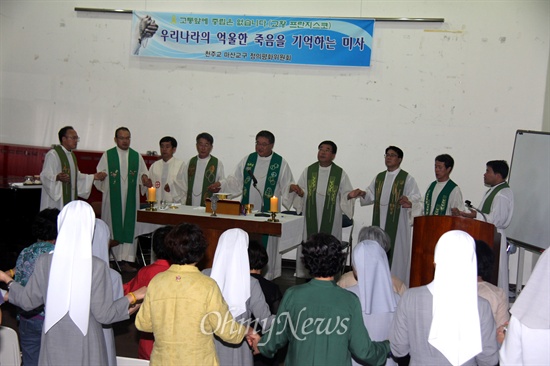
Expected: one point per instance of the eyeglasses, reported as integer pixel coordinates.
(262, 144)
(326, 150)
(123, 138)
(203, 145)
(76, 138)
(391, 155)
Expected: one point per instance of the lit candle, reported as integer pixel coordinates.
(274, 204)
(152, 194)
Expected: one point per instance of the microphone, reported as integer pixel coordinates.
(255, 181)
(469, 205)
(249, 171)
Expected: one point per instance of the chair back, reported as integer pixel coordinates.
(347, 243)
(9, 347)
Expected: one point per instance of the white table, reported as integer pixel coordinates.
(289, 228)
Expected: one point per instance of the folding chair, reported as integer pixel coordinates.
(346, 245)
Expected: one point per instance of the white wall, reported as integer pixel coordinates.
(461, 87)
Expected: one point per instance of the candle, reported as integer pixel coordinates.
(152, 194)
(274, 204)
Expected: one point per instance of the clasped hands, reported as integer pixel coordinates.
(253, 338)
(135, 298)
(300, 192)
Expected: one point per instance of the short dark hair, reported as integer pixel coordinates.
(397, 150)
(158, 238)
(322, 255)
(447, 160)
(485, 260)
(331, 144)
(268, 135)
(205, 135)
(169, 139)
(62, 132)
(257, 255)
(121, 129)
(185, 244)
(499, 167)
(44, 226)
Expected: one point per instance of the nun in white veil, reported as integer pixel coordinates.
(446, 322)
(100, 249)
(527, 340)
(375, 290)
(241, 292)
(76, 289)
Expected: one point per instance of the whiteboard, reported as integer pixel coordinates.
(530, 182)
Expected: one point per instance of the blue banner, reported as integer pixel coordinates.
(283, 40)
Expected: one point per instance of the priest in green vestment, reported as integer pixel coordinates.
(125, 170)
(203, 170)
(323, 193)
(497, 207)
(274, 178)
(443, 194)
(61, 180)
(393, 192)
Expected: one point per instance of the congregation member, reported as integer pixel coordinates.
(443, 194)
(321, 322)
(497, 208)
(143, 277)
(379, 236)
(125, 170)
(393, 192)
(258, 177)
(527, 340)
(498, 299)
(242, 293)
(375, 291)
(203, 170)
(61, 180)
(76, 289)
(167, 174)
(44, 229)
(446, 322)
(185, 308)
(323, 194)
(257, 256)
(100, 249)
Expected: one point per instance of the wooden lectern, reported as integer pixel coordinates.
(428, 230)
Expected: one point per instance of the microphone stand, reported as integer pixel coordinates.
(262, 213)
(469, 205)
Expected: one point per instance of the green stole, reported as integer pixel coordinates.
(209, 178)
(394, 208)
(489, 201)
(270, 181)
(66, 168)
(442, 200)
(123, 232)
(329, 208)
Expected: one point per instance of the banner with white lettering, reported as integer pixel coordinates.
(284, 40)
